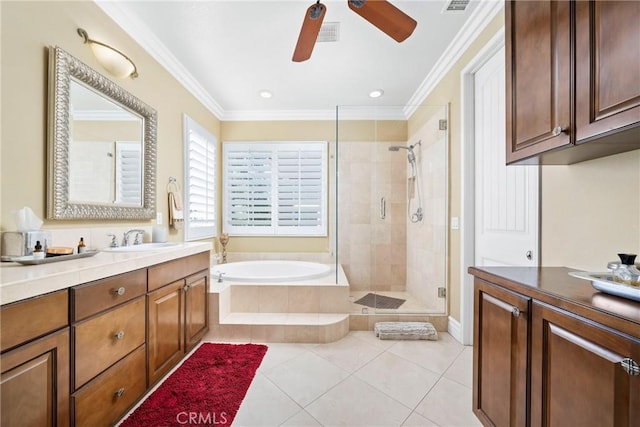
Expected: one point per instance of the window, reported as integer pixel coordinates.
(200, 181)
(275, 188)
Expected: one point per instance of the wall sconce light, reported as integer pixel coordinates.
(115, 62)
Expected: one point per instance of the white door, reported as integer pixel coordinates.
(506, 197)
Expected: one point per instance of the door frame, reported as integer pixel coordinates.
(467, 190)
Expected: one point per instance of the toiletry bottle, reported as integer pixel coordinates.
(627, 272)
(81, 246)
(38, 253)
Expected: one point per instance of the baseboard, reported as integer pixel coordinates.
(454, 329)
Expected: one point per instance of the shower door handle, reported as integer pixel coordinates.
(383, 208)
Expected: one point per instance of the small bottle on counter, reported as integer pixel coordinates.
(81, 246)
(38, 253)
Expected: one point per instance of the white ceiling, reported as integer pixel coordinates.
(225, 52)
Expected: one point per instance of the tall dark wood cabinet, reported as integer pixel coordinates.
(576, 373)
(500, 354)
(550, 350)
(538, 76)
(607, 68)
(572, 80)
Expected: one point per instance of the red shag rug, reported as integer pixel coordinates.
(207, 389)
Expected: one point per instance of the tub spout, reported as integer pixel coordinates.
(220, 274)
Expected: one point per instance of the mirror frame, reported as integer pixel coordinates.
(62, 68)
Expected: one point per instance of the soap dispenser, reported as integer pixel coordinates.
(626, 272)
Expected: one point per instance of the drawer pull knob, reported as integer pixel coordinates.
(119, 335)
(515, 311)
(120, 392)
(630, 366)
(558, 130)
(121, 290)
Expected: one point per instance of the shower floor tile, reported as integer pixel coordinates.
(411, 305)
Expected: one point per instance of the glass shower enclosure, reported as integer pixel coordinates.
(391, 209)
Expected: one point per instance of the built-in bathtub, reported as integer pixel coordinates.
(279, 301)
(277, 272)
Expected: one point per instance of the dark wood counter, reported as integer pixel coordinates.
(554, 286)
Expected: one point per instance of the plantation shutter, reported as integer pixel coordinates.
(300, 188)
(200, 182)
(275, 188)
(129, 172)
(248, 186)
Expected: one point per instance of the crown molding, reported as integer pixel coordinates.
(343, 113)
(481, 17)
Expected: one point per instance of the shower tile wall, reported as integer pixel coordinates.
(372, 250)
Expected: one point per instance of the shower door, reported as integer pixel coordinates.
(392, 203)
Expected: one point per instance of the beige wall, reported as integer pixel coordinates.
(28, 28)
(591, 212)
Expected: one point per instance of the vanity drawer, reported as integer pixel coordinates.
(105, 399)
(94, 297)
(169, 272)
(26, 320)
(102, 340)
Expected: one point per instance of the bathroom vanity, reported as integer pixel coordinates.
(549, 349)
(84, 353)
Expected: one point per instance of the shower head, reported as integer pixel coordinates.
(409, 148)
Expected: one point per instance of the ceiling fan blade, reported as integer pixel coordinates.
(309, 32)
(388, 18)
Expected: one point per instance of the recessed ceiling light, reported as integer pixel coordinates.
(376, 93)
(266, 94)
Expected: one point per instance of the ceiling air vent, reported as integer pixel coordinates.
(329, 32)
(456, 6)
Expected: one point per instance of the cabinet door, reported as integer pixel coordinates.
(538, 75)
(607, 68)
(500, 356)
(34, 386)
(196, 309)
(576, 372)
(165, 338)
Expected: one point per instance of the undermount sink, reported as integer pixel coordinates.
(144, 247)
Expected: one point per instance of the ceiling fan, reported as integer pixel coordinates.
(388, 18)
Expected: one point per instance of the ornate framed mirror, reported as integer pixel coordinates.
(101, 146)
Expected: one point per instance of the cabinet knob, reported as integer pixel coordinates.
(120, 392)
(119, 335)
(630, 366)
(120, 291)
(186, 288)
(558, 130)
(515, 311)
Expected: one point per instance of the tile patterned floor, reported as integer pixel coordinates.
(362, 381)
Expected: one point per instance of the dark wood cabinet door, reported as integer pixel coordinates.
(500, 356)
(538, 77)
(196, 308)
(607, 68)
(165, 337)
(34, 386)
(576, 372)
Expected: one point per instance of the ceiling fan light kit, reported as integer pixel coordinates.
(382, 14)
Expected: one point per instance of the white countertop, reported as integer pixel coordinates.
(18, 282)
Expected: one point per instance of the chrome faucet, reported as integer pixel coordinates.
(114, 242)
(137, 241)
(220, 274)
